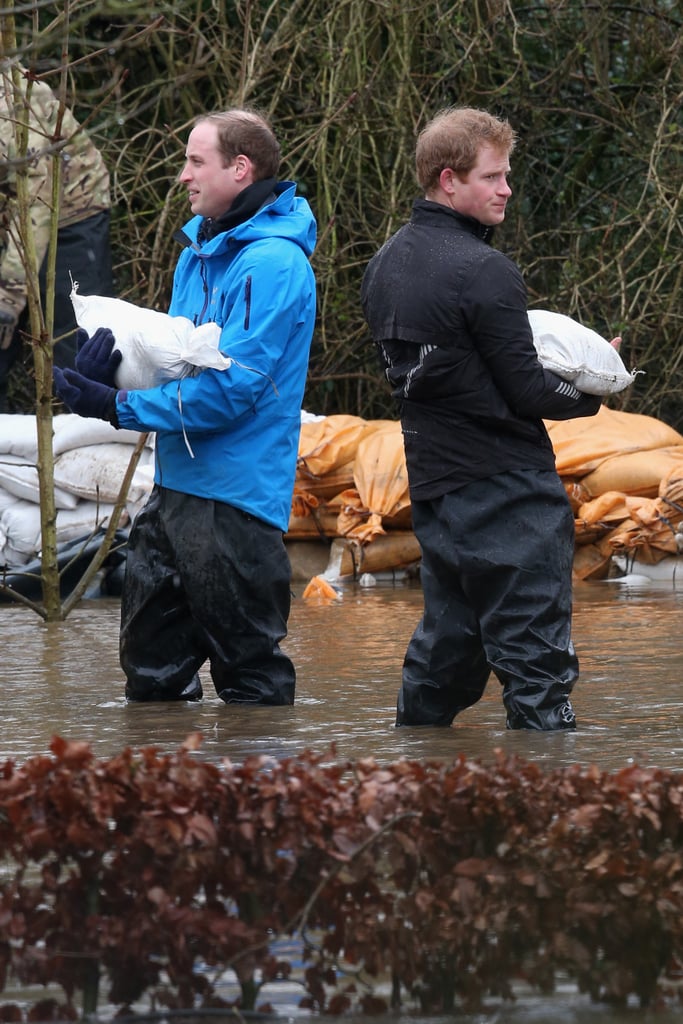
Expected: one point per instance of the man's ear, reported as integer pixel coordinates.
(243, 167)
(448, 180)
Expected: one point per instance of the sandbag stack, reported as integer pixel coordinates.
(91, 458)
(623, 473)
(352, 484)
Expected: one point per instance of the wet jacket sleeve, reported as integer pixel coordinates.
(495, 310)
(262, 307)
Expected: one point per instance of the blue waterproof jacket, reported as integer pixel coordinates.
(232, 435)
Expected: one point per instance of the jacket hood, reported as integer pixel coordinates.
(288, 216)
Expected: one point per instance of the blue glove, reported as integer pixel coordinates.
(86, 397)
(96, 358)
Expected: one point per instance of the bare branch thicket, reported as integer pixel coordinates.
(594, 93)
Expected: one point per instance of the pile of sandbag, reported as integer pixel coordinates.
(623, 473)
(91, 459)
(351, 478)
(351, 484)
(624, 476)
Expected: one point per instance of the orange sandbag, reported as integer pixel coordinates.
(581, 445)
(596, 518)
(382, 554)
(576, 493)
(327, 486)
(328, 444)
(653, 512)
(609, 507)
(651, 543)
(381, 487)
(317, 523)
(590, 563)
(638, 473)
(651, 530)
(671, 486)
(601, 516)
(380, 472)
(319, 589)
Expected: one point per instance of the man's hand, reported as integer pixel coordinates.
(85, 397)
(616, 343)
(8, 325)
(96, 358)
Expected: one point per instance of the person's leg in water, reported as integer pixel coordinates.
(245, 620)
(160, 647)
(498, 597)
(224, 579)
(445, 668)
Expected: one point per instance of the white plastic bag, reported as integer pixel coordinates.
(156, 347)
(578, 354)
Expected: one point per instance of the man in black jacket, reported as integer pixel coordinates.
(449, 315)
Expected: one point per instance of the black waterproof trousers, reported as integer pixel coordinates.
(205, 581)
(496, 574)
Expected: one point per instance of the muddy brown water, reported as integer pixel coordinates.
(64, 679)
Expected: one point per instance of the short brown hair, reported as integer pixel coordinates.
(242, 130)
(453, 139)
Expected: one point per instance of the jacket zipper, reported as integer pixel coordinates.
(247, 302)
(205, 287)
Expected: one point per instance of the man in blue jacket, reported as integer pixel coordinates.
(449, 315)
(207, 573)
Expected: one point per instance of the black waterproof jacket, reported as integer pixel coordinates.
(449, 315)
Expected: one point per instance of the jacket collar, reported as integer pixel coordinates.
(427, 210)
(244, 206)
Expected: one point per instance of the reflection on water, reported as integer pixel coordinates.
(64, 679)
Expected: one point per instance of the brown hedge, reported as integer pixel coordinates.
(453, 882)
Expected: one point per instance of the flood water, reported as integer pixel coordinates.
(64, 679)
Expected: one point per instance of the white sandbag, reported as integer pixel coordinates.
(86, 518)
(144, 482)
(8, 556)
(18, 436)
(97, 471)
(670, 570)
(156, 347)
(578, 354)
(20, 526)
(6, 499)
(72, 431)
(21, 479)
(20, 538)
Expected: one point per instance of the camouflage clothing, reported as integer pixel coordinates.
(83, 251)
(84, 185)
